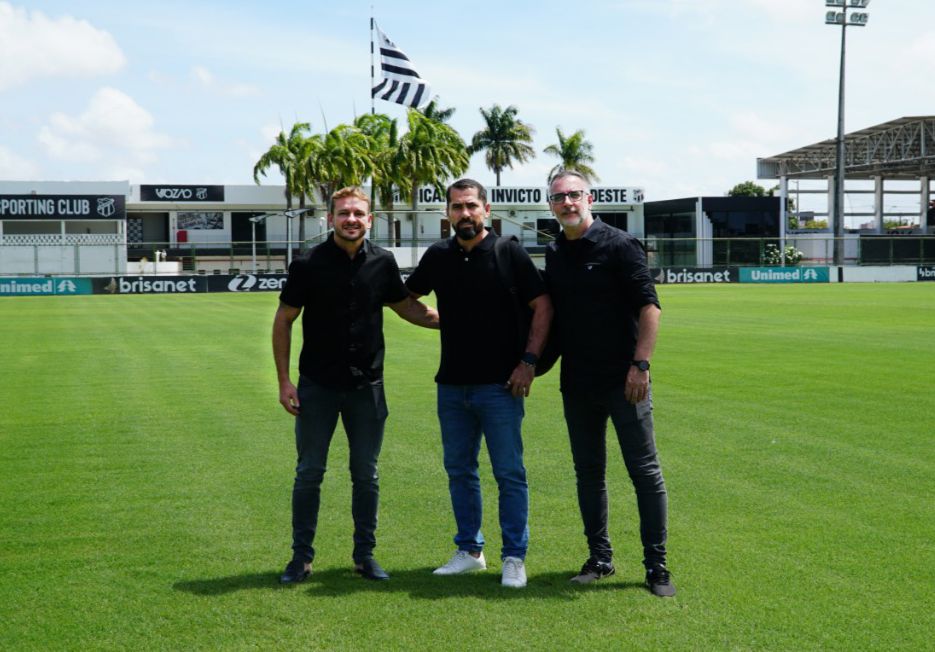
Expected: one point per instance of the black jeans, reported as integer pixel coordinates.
(363, 412)
(586, 416)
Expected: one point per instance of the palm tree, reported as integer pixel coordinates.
(505, 137)
(430, 153)
(575, 153)
(289, 154)
(433, 111)
(383, 139)
(339, 158)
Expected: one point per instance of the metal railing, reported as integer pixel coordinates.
(22, 258)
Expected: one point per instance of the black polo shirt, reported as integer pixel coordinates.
(598, 285)
(342, 317)
(478, 321)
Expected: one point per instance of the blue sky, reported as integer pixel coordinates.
(678, 96)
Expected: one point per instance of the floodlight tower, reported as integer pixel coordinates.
(839, 16)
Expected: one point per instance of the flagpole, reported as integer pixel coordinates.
(373, 109)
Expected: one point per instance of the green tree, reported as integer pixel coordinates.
(383, 138)
(339, 158)
(289, 154)
(749, 189)
(504, 137)
(574, 153)
(430, 153)
(433, 111)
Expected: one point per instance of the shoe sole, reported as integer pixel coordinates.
(460, 572)
(588, 579)
(295, 581)
(668, 593)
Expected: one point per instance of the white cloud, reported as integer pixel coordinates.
(114, 130)
(206, 80)
(33, 45)
(15, 167)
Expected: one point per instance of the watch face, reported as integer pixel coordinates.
(642, 365)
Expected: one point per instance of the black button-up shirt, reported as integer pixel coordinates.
(342, 318)
(598, 285)
(477, 317)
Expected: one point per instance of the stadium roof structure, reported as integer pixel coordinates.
(899, 149)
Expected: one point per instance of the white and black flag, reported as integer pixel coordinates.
(401, 83)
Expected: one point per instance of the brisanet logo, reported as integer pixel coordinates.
(926, 273)
(141, 285)
(696, 275)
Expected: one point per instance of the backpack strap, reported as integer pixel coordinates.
(503, 260)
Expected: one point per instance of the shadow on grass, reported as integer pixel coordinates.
(418, 583)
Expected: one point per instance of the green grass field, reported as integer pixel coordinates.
(146, 471)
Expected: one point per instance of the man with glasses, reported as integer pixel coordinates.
(484, 374)
(606, 319)
(342, 284)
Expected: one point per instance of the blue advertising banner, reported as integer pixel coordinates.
(926, 273)
(785, 275)
(24, 286)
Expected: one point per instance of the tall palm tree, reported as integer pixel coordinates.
(505, 137)
(339, 158)
(383, 139)
(574, 153)
(433, 111)
(289, 154)
(430, 153)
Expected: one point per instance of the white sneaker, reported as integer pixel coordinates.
(462, 562)
(514, 573)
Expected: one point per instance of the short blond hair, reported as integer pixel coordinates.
(348, 191)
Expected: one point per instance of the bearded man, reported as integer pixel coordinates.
(483, 376)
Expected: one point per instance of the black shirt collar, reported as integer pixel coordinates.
(333, 247)
(592, 235)
(484, 245)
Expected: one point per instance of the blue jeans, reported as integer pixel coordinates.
(464, 413)
(363, 413)
(587, 416)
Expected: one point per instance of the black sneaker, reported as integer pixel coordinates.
(296, 571)
(659, 581)
(594, 570)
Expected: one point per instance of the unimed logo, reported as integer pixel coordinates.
(926, 273)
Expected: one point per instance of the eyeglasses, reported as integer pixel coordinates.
(573, 195)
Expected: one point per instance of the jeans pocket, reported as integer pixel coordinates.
(379, 401)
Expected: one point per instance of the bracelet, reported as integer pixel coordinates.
(529, 359)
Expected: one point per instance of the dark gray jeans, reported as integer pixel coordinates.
(586, 416)
(363, 413)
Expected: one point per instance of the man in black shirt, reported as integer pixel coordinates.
(342, 285)
(484, 374)
(606, 319)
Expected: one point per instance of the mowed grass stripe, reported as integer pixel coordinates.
(146, 466)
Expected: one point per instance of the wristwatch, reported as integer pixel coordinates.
(642, 365)
(529, 359)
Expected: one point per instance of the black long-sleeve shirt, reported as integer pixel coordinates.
(599, 283)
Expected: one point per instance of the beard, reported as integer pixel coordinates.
(570, 219)
(467, 230)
